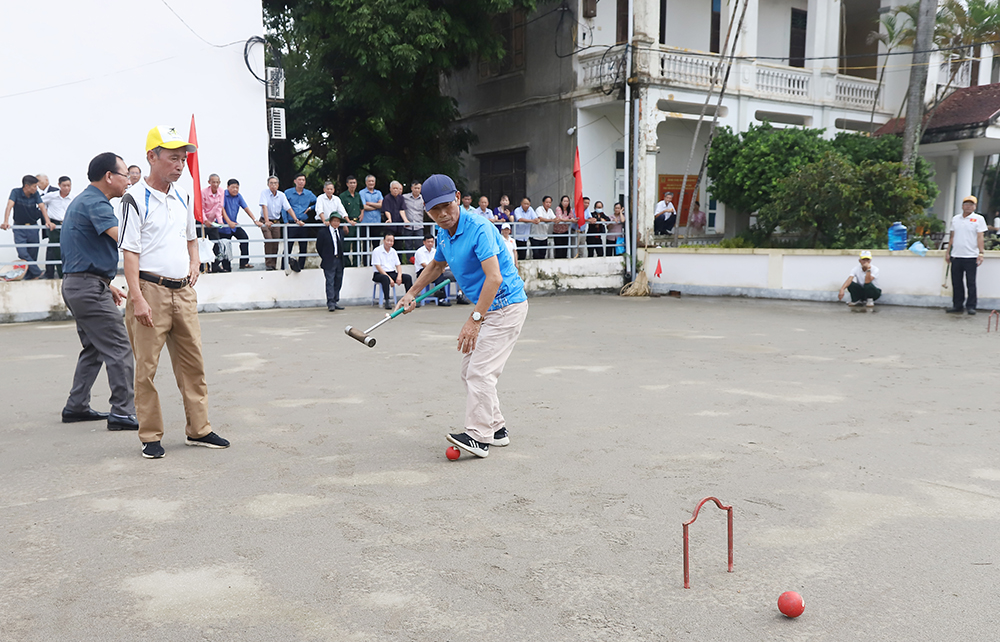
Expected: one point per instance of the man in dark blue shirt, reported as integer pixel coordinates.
(302, 202)
(27, 206)
(90, 260)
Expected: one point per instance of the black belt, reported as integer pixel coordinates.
(173, 284)
(106, 280)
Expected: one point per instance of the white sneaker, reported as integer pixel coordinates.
(870, 303)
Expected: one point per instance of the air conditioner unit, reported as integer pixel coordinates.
(276, 122)
(275, 83)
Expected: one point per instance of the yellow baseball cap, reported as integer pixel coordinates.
(167, 138)
(865, 255)
(971, 199)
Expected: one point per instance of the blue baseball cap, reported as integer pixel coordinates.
(437, 189)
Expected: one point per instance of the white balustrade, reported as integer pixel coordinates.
(684, 69)
(783, 82)
(857, 92)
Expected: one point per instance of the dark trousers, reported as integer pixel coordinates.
(334, 279)
(538, 248)
(595, 246)
(967, 268)
(22, 239)
(443, 292)
(561, 250)
(664, 224)
(102, 333)
(522, 249)
(861, 292)
(300, 235)
(388, 281)
(52, 253)
(241, 234)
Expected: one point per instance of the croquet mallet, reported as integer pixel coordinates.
(370, 341)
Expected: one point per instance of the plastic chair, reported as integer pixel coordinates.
(447, 295)
(377, 294)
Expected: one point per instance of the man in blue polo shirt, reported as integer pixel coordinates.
(302, 201)
(90, 260)
(474, 250)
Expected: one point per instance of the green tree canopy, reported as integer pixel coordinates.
(362, 88)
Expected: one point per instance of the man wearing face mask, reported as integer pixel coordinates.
(595, 230)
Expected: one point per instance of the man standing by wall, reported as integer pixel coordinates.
(56, 203)
(232, 203)
(161, 267)
(966, 249)
(27, 206)
(330, 247)
(371, 213)
(471, 246)
(354, 207)
(272, 206)
(414, 215)
(302, 201)
(90, 260)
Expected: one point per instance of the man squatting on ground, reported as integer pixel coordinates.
(472, 247)
(862, 282)
(90, 260)
(161, 268)
(966, 249)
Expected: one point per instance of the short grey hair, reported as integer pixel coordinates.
(274, 177)
(396, 184)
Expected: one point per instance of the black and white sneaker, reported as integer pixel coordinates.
(501, 438)
(211, 440)
(469, 445)
(152, 450)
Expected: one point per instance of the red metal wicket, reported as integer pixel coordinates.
(989, 320)
(729, 519)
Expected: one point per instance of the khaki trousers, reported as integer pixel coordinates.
(482, 367)
(175, 322)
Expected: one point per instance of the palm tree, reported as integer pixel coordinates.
(890, 34)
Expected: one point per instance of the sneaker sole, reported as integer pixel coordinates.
(462, 446)
(202, 443)
(500, 443)
(154, 456)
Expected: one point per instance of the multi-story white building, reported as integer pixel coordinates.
(806, 63)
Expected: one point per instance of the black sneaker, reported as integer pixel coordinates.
(152, 450)
(211, 440)
(953, 310)
(469, 445)
(462, 299)
(501, 438)
(971, 310)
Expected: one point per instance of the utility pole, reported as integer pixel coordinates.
(918, 83)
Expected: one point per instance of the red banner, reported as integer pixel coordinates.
(192, 161)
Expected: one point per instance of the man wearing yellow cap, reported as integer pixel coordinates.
(862, 282)
(161, 267)
(966, 249)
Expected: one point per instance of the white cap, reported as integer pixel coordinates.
(505, 226)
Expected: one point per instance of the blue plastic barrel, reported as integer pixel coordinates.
(897, 236)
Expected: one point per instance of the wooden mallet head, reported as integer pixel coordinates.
(359, 336)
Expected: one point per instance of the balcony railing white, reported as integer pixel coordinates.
(857, 92)
(783, 82)
(603, 70)
(684, 69)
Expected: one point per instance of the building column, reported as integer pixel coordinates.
(645, 163)
(985, 65)
(963, 176)
(823, 33)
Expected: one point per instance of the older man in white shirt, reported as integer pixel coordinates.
(57, 204)
(388, 270)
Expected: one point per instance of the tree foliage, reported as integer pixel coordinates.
(835, 203)
(362, 82)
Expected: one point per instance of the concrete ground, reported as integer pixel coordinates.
(859, 450)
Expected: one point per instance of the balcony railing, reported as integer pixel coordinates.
(783, 82)
(684, 69)
(858, 92)
(604, 70)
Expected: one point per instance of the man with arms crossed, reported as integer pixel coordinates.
(90, 260)
(471, 246)
(161, 267)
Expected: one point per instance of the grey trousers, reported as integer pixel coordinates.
(102, 333)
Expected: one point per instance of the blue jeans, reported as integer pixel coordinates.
(22, 237)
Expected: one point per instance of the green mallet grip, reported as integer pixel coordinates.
(442, 284)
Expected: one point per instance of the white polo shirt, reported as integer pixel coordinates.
(859, 275)
(664, 207)
(56, 205)
(423, 256)
(540, 231)
(276, 204)
(326, 206)
(159, 231)
(965, 245)
(388, 260)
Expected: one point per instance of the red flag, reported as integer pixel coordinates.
(192, 161)
(659, 269)
(578, 190)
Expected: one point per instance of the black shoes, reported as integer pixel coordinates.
(462, 299)
(337, 307)
(469, 445)
(118, 422)
(89, 414)
(953, 310)
(388, 306)
(501, 438)
(443, 302)
(152, 450)
(211, 440)
(971, 310)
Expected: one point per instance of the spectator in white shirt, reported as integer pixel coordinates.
(665, 216)
(388, 269)
(523, 216)
(966, 249)
(328, 202)
(544, 216)
(423, 258)
(508, 241)
(57, 203)
(272, 202)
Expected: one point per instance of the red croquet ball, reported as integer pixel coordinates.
(791, 604)
(452, 453)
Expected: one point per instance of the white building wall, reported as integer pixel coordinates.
(601, 30)
(81, 78)
(774, 27)
(689, 24)
(599, 137)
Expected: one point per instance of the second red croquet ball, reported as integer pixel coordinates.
(791, 604)
(452, 453)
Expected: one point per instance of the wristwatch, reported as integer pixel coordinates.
(476, 316)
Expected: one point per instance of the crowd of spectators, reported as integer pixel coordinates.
(297, 215)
